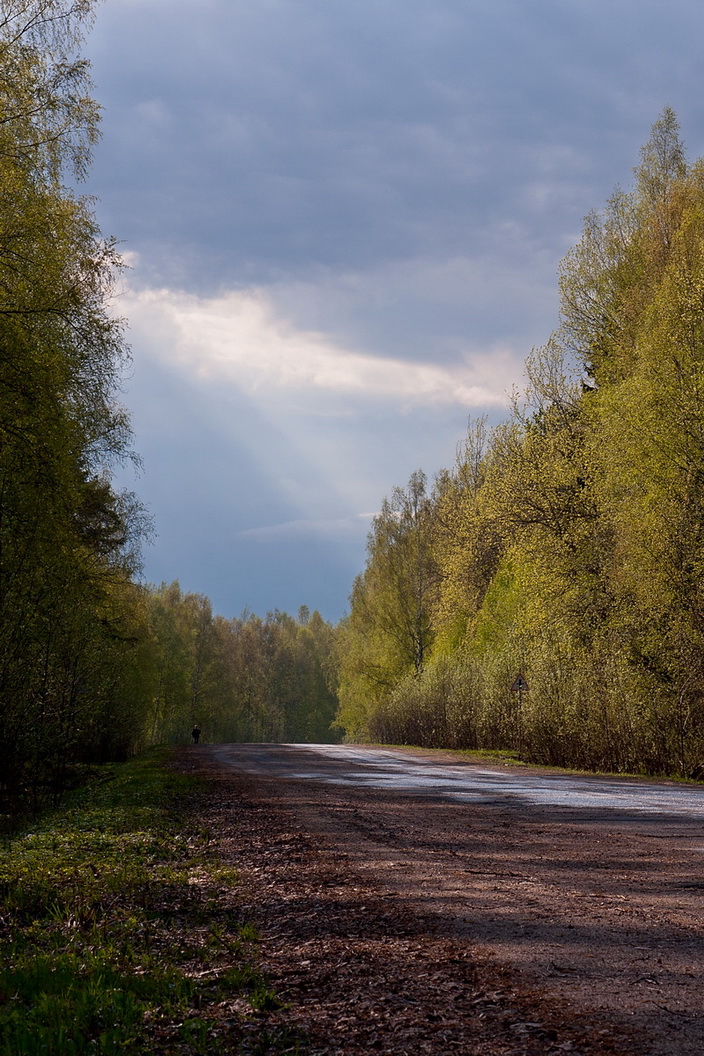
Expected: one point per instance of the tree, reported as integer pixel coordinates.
(68, 543)
(390, 629)
(246, 679)
(569, 542)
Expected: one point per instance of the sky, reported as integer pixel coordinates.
(343, 222)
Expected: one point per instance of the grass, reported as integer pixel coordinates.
(495, 755)
(120, 934)
(513, 757)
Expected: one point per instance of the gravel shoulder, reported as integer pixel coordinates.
(395, 925)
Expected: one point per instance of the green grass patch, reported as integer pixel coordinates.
(509, 756)
(513, 757)
(119, 932)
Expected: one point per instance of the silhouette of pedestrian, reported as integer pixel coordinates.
(195, 734)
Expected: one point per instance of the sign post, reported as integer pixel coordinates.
(520, 686)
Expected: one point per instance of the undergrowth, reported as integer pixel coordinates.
(119, 932)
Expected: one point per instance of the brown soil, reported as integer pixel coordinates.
(392, 924)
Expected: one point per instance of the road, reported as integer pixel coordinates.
(398, 771)
(588, 889)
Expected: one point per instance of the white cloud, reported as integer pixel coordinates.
(240, 339)
(130, 258)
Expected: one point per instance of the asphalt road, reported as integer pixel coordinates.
(422, 776)
(591, 889)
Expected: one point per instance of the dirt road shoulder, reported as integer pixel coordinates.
(363, 968)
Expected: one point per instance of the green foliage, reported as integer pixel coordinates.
(107, 945)
(569, 542)
(246, 679)
(68, 612)
(390, 629)
(468, 538)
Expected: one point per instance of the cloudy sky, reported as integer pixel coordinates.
(343, 220)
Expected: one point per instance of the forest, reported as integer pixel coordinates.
(94, 665)
(566, 545)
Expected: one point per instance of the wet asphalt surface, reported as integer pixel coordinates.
(422, 776)
(590, 889)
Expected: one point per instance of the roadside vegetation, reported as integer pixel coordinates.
(120, 933)
(69, 610)
(243, 679)
(95, 665)
(566, 544)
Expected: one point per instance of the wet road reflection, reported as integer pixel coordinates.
(398, 771)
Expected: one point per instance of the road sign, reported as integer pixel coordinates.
(520, 685)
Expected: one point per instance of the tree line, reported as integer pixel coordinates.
(93, 665)
(566, 544)
(67, 538)
(242, 679)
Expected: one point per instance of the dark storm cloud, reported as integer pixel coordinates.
(249, 140)
(387, 184)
